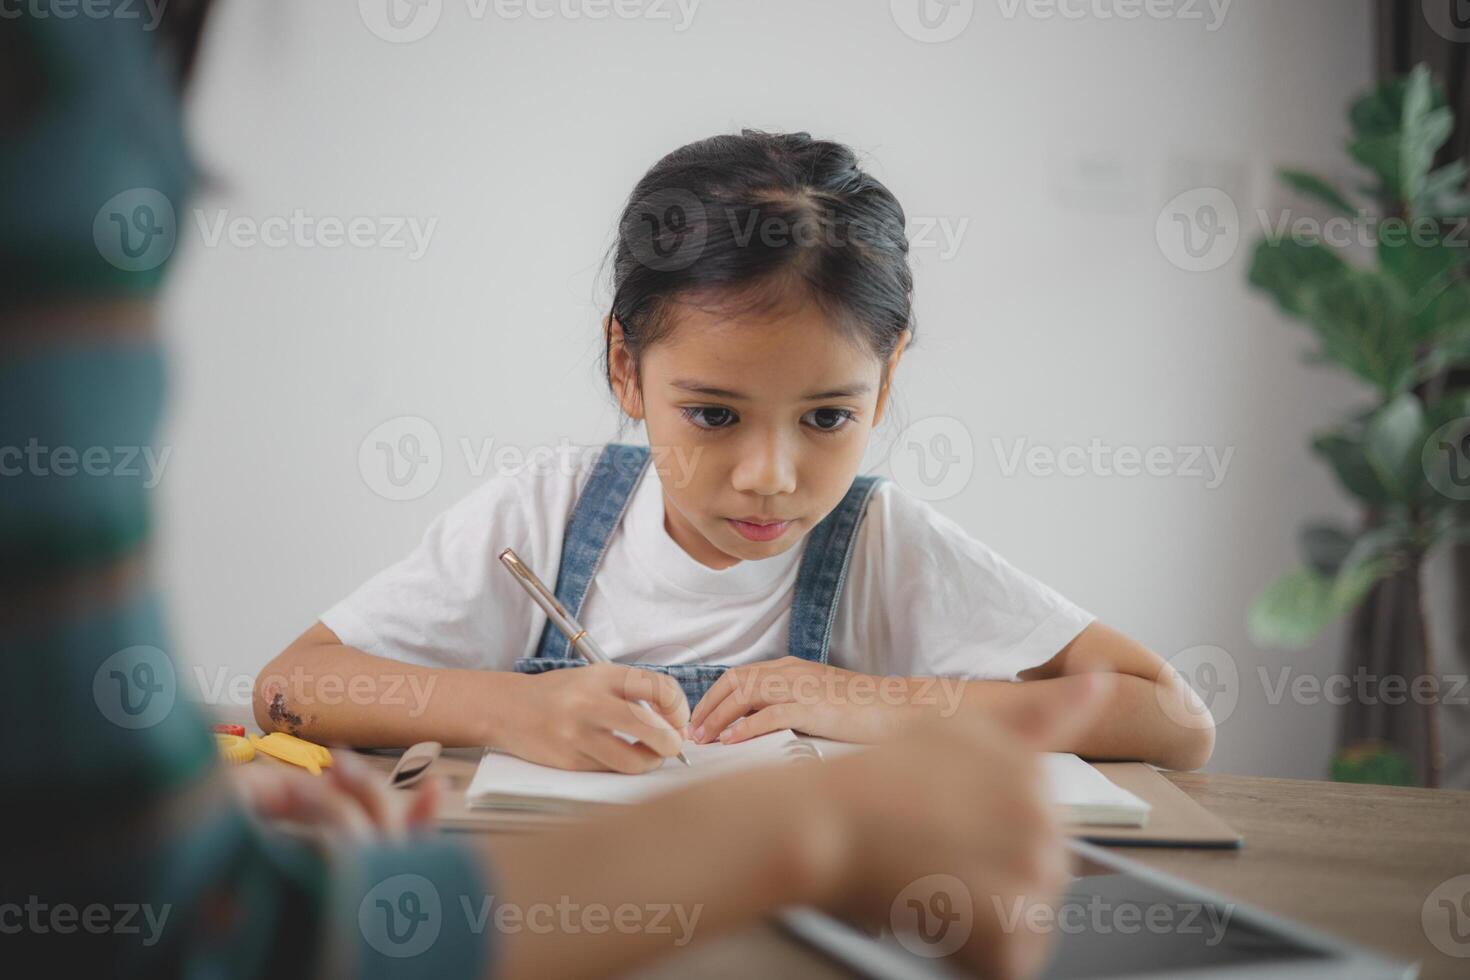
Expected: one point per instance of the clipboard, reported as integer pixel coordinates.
(1175, 820)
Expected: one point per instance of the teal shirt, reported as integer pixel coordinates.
(125, 853)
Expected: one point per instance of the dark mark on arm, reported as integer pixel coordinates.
(280, 716)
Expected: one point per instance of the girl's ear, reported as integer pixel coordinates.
(889, 368)
(622, 369)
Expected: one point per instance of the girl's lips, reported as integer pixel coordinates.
(759, 532)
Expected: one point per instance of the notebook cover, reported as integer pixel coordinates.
(1175, 821)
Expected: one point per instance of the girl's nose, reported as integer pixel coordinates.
(765, 467)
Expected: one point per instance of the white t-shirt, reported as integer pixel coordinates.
(922, 597)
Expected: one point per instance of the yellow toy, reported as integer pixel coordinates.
(234, 749)
(297, 751)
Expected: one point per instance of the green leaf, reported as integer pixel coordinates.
(1315, 187)
(1419, 92)
(1297, 607)
(1376, 554)
(1445, 316)
(1370, 762)
(1421, 143)
(1400, 127)
(1324, 547)
(1343, 451)
(1448, 206)
(1443, 328)
(1285, 267)
(1293, 610)
(1362, 318)
(1381, 111)
(1450, 177)
(1444, 193)
(1403, 159)
(1418, 258)
(1392, 444)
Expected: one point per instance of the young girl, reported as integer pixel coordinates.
(762, 304)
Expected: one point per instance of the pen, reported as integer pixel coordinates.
(577, 637)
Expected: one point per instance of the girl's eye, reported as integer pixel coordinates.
(709, 418)
(828, 419)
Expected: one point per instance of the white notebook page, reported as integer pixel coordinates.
(1084, 794)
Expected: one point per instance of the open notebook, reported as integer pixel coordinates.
(506, 783)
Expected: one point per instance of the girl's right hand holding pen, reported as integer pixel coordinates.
(569, 718)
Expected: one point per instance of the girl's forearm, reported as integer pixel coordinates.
(646, 880)
(1158, 722)
(1150, 713)
(327, 692)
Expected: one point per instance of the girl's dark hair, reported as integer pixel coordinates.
(742, 224)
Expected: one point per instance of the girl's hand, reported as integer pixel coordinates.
(567, 719)
(812, 698)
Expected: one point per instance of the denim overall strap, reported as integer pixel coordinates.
(823, 570)
(597, 514)
(599, 510)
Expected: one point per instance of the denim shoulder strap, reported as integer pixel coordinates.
(598, 512)
(823, 569)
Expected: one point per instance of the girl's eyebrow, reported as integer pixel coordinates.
(852, 390)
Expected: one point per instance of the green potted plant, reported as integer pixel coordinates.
(1398, 322)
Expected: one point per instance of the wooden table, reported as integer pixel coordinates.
(1354, 861)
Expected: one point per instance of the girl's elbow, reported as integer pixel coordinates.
(263, 696)
(268, 696)
(1191, 745)
(1199, 750)
(1188, 723)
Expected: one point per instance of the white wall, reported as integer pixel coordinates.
(1058, 320)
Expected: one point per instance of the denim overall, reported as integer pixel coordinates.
(600, 509)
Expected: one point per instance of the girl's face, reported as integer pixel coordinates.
(758, 426)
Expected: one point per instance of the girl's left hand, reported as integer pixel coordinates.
(812, 698)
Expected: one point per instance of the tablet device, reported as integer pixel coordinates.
(1120, 919)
